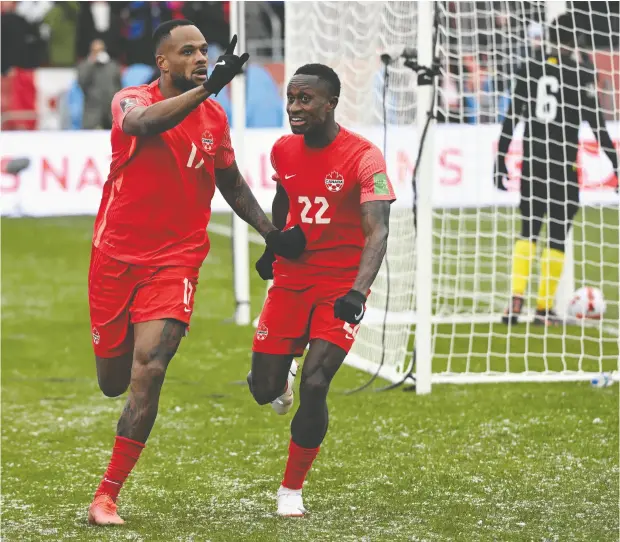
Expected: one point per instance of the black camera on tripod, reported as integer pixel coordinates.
(410, 55)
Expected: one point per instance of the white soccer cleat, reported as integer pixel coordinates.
(284, 403)
(290, 503)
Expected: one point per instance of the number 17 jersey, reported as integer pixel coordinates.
(326, 188)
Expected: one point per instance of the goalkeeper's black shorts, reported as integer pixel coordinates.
(549, 188)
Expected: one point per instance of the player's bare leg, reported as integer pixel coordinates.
(114, 374)
(155, 343)
(309, 425)
(271, 380)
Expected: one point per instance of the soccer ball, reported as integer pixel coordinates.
(587, 302)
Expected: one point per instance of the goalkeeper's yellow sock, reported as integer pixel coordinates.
(551, 265)
(521, 265)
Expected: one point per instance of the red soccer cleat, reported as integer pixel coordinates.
(102, 511)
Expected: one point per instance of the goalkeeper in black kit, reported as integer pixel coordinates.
(553, 95)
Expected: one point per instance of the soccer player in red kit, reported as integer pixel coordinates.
(333, 184)
(170, 149)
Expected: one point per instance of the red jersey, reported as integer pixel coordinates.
(156, 202)
(326, 188)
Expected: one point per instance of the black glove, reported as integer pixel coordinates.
(287, 243)
(350, 307)
(227, 66)
(264, 265)
(499, 173)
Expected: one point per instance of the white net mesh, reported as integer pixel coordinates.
(482, 46)
(492, 51)
(349, 37)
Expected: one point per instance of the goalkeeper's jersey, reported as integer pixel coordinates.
(554, 95)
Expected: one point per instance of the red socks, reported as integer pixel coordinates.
(124, 456)
(126, 453)
(298, 464)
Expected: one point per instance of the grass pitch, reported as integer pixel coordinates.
(470, 463)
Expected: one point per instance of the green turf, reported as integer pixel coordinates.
(477, 462)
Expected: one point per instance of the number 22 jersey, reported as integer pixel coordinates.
(326, 188)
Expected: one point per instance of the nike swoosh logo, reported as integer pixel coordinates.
(359, 316)
(186, 309)
(290, 176)
(220, 63)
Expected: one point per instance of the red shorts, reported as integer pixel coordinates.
(293, 317)
(122, 294)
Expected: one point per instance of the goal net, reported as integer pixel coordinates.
(470, 237)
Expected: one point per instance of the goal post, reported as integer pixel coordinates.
(436, 307)
(240, 239)
(423, 208)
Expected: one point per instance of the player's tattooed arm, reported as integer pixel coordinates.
(238, 195)
(279, 207)
(376, 226)
(162, 116)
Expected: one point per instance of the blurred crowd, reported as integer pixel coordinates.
(489, 40)
(106, 46)
(59, 34)
(110, 44)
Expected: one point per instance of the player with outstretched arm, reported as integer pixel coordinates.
(170, 149)
(333, 184)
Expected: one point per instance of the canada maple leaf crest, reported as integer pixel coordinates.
(262, 332)
(207, 140)
(334, 181)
